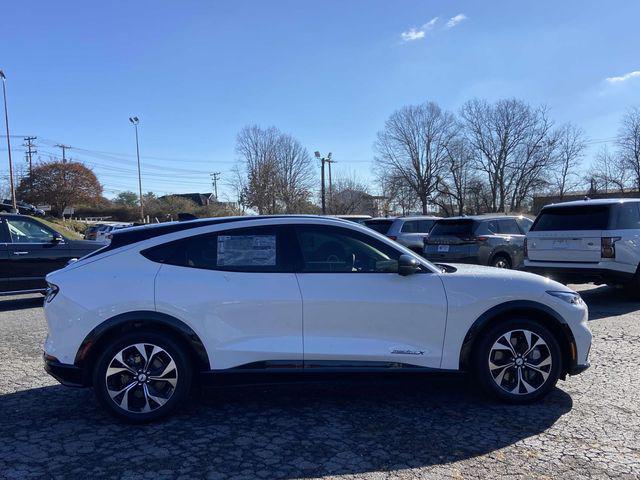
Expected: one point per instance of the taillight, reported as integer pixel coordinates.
(526, 249)
(608, 247)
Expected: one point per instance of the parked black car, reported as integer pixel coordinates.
(23, 207)
(495, 240)
(29, 250)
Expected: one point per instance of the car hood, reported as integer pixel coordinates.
(500, 282)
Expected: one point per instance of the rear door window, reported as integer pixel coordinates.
(508, 226)
(588, 217)
(410, 226)
(524, 224)
(487, 227)
(257, 249)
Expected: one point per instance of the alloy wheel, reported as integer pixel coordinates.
(520, 362)
(501, 262)
(141, 378)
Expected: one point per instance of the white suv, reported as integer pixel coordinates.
(587, 241)
(254, 298)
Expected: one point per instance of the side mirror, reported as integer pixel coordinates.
(407, 265)
(57, 238)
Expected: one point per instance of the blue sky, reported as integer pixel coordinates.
(328, 72)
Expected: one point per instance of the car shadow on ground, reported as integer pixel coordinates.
(280, 431)
(607, 301)
(9, 304)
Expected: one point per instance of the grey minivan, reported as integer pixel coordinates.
(495, 240)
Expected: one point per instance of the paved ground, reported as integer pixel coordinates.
(589, 427)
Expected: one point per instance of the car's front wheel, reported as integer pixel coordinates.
(142, 376)
(517, 360)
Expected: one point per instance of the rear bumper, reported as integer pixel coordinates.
(68, 375)
(578, 274)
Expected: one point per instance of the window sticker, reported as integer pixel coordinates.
(246, 250)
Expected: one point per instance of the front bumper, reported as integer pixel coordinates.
(68, 375)
(578, 369)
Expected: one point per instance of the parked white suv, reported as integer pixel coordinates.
(250, 298)
(587, 241)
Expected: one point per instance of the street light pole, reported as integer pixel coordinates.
(6, 122)
(134, 121)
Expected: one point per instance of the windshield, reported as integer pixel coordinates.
(588, 217)
(380, 226)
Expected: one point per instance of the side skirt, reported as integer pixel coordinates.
(261, 373)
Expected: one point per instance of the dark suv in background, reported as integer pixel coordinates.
(495, 240)
(29, 250)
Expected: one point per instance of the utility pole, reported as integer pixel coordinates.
(215, 176)
(134, 121)
(64, 151)
(329, 161)
(29, 153)
(6, 123)
(323, 160)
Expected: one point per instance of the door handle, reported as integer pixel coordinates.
(20, 253)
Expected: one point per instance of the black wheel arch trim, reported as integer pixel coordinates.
(131, 321)
(518, 306)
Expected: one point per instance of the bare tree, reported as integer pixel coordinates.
(258, 149)
(276, 171)
(570, 147)
(628, 141)
(350, 196)
(459, 172)
(513, 148)
(397, 196)
(295, 174)
(413, 146)
(608, 172)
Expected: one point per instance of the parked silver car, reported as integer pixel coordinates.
(495, 240)
(408, 231)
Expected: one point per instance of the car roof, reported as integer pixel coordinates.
(489, 216)
(380, 219)
(589, 201)
(419, 217)
(139, 233)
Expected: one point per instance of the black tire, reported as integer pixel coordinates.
(154, 397)
(632, 288)
(501, 260)
(509, 387)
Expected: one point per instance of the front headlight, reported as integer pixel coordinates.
(570, 297)
(52, 291)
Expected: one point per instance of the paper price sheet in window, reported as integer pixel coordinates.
(246, 250)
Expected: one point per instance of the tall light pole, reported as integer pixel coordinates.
(134, 121)
(6, 123)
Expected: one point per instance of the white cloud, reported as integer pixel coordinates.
(453, 21)
(418, 33)
(625, 77)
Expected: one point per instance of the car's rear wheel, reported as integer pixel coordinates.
(142, 376)
(501, 261)
(518, 361)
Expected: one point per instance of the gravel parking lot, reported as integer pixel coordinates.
(589, 427)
